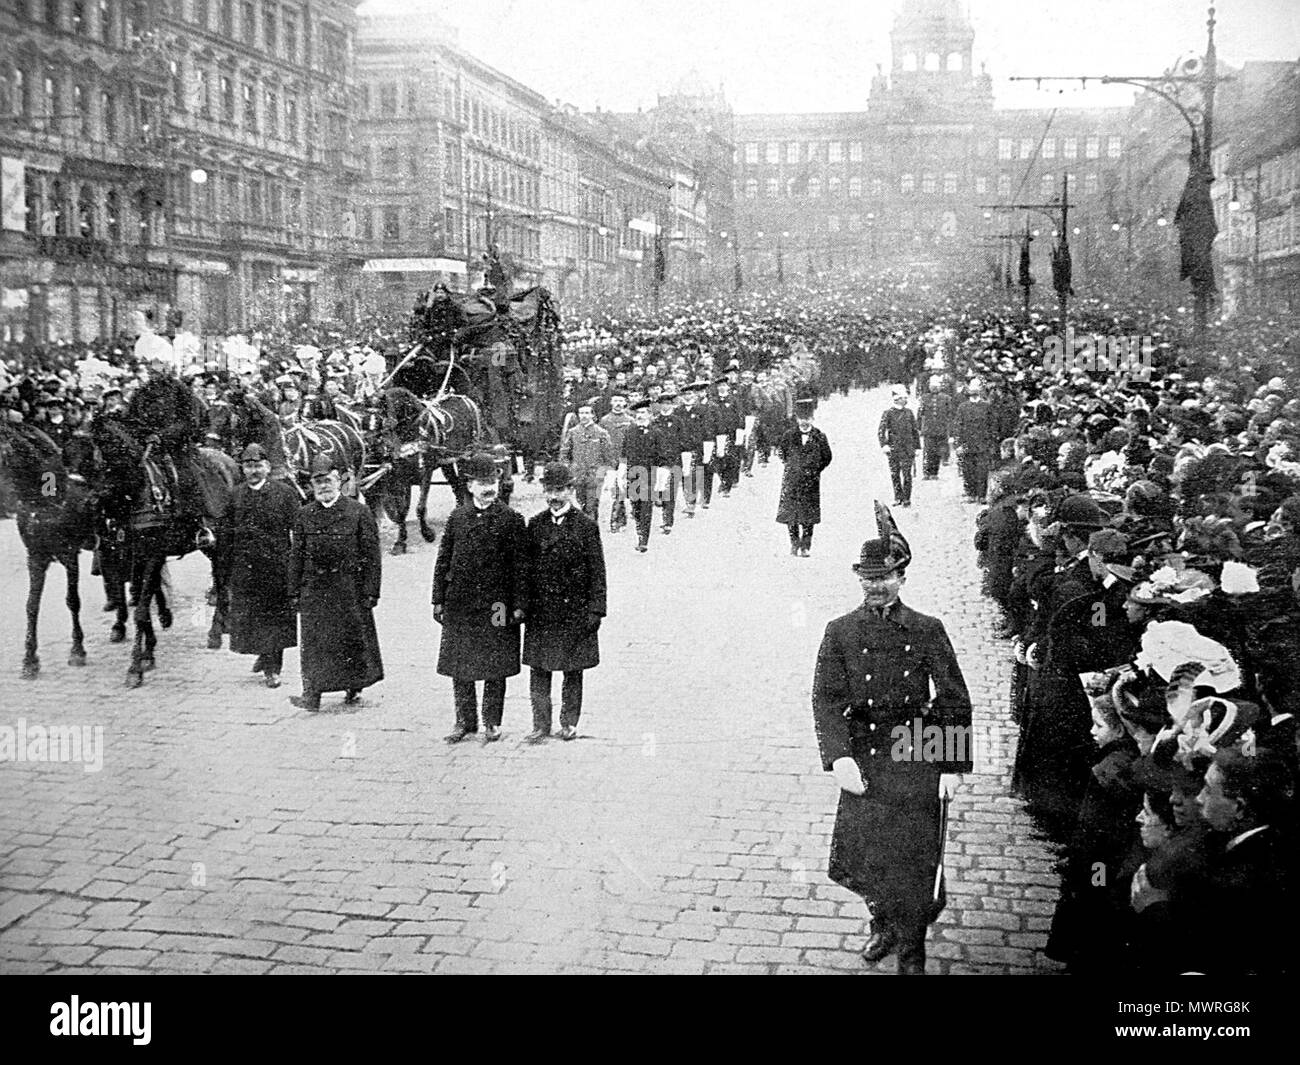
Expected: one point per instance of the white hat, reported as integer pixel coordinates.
(1166, 645)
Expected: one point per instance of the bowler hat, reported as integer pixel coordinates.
(641, 404)
(480, 467)
(556, 475)
(254, 453)
(324, 464)
(1080, 511)
(880, 558)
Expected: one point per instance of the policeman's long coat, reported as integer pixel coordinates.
(874, 676)
(801, 485)
(335, 570)
(566, 586)
(479, 580)
(254, 544)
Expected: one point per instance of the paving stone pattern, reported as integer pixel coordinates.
(686, 831)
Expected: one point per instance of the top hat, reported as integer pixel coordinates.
(556, 475)
(805, 407)
(641, 404)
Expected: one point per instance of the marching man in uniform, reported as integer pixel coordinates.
(885, 675)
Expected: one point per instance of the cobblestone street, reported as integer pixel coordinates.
(686, 830)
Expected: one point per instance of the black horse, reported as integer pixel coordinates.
(140, 486)
(55, 512)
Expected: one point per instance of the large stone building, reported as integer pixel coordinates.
(453, 152)
(192, 156)
(921, 176)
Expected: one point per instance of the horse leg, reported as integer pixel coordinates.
(422, 502)
(72, 567)
(398, 508)
(35, 587)
(146, 573)
(160, 593)
(218, 627)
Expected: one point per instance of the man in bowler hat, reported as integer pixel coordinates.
(886, 675)
(565, 603)
(478, 596)
(334, 576)
(254, 547)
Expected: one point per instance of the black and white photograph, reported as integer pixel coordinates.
(751, 488)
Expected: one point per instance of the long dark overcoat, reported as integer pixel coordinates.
(255, 543)
(479, 580)
(335, 570)
(566, 586)
(801, 485)
(872, 687)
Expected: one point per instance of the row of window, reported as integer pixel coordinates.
(59, 207)
(930, 185)
(506, 182)
(491, 123)
(933, 61)
(774, 152)
(1069, 147)
(110, 22)
(382, 98)
(228, 196)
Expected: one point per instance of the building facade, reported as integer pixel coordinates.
(193, 156)
(923, 176)
(453, 161)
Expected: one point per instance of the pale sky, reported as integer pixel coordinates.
(819, 55)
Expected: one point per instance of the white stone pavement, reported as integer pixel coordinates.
(685, 831)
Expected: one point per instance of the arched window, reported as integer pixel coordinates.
(112, 220)
(954, 61)
(85, 208)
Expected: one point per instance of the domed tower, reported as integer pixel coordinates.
(931, 43)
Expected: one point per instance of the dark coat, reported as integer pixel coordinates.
(334, 570)
(874, 676)
(480, 580)
(255, 544)
(1092, 918)
(935, 418)
(801, 486)
(898, 430)
(975, 428)
(566, 590)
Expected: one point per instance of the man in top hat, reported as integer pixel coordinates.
(479, 590)
(899, 440)
(565, 602)
(893, 720)
(254, 547)
(806, 452)
(334, 577)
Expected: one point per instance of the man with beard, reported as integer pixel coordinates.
(885, 672)
(478, 599)
(566, 602)
(255, 546)
(334, 577)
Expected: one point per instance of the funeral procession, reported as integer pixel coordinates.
(824, 501)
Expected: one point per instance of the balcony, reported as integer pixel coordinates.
(255, 233)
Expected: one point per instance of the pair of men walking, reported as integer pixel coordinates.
(496, 575)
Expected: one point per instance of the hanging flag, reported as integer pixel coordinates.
(1062, 269)
(660, 265)
(1026, 278)
(1195, 220)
